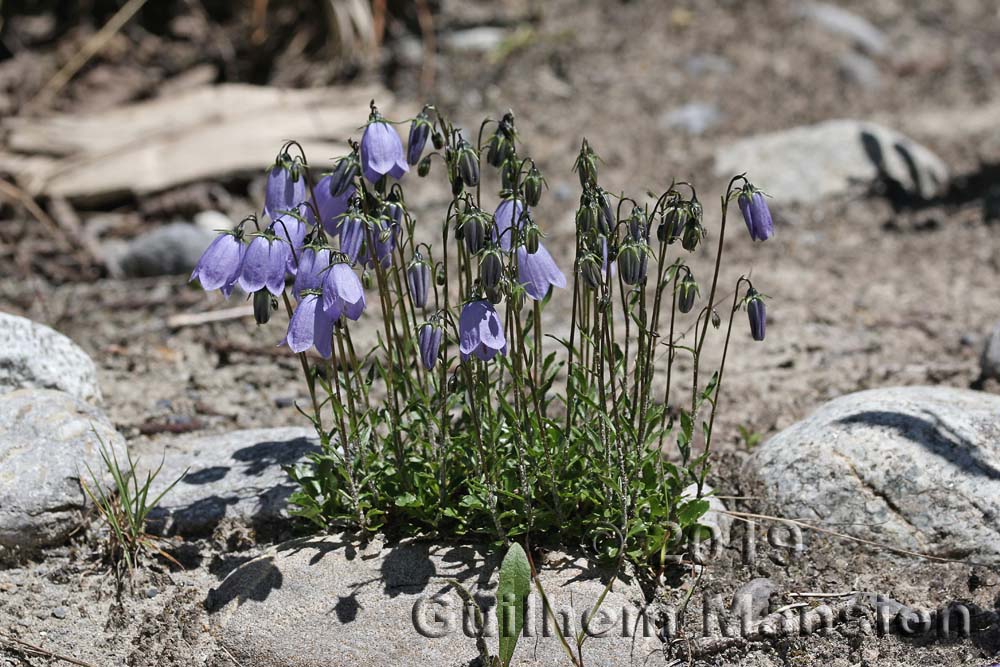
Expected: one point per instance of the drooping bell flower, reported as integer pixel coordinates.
(264, 265)
(672, 222)
(382, 151)
(219, 266)
(420, 130)
(291, 228)
(331, 207)
(418, 279)
(757, 314)
(343, 293)
(590, 271)
(537, 272)
(286, 187)
(508, 213)
(429, 339)
(480, 331)
(607, 220)
(310, 326)
(753, 205)
(313, 264)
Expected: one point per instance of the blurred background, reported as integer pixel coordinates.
(129, 130)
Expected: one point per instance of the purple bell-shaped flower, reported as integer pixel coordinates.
(429, 338)
(343, 293)
(480, 331)
(382, 151)
(753, 205)
(508, 213)
(313, 264)
(537, 272)
(310, 326)
(219, 266)
(264, 265)
(286, 187)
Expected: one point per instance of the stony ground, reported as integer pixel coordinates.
(867, 291)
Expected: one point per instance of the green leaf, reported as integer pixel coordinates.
(512, 591)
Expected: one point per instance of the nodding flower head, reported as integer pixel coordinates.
(588, 216)
(382, 151)
(310, 326)
(757, 314)
(590, 271)
(344, 173)
(342, 292)
(753, 205)
(537, 272)
(381, 244)
(507, 215)
(313, 264)
(501, 145)
(467, 164)
(291, 228)
(331, 207)
(429, 338)
(418, 280)
(480, 331)
(420, 130)
(264, 265)
(638, 226)
(687, 292)
(219, 266)
(286, 186)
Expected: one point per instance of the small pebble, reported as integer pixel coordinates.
(152, 592)
(59, 612)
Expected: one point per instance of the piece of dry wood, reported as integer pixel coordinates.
(31, 649)
(205, 133)
(182, 320)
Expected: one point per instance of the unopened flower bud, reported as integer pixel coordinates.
(687, 292)
(757, 314)
(473, 231)
(533, 187)
(438, 140)
(418, 279)
(468, 164)
(672, 224)
(632, 263)
(692, 235)
(344, 173)
(262, 306)
(494, 295)
(590, 271)
(587, 217)
(420, 129)
(532, 237)
(499, 149)
(637, 225)
(490, 268)
(607, 215)
(586, 166)
(424, 167)
(429, 338)
(508, 175)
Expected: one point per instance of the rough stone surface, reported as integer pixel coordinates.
(715, 518)
(913, 467)
(694, 118)
(165, 251)
(237, 477)
(33, 356)
(989, 361)
(325, 602)
(47, 440)
(754, 597)
(808, 163)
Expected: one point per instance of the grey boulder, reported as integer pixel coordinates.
(810, 163)
(237, 478)
(913, 467)
(327, 602)
(172, 249)
(47, 441)
(33, 356)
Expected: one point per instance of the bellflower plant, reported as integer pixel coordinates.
(476, 411)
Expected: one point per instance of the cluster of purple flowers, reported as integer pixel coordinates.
(321, 237)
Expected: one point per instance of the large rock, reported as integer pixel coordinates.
(325, 602)
(806, 164)
(237, 477)
(173, 249)
(33, 356)
(47, 441)
(913, 467)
